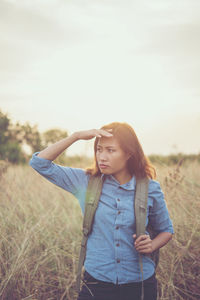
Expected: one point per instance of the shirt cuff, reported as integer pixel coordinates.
(39, 162)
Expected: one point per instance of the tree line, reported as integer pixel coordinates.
(16, 139)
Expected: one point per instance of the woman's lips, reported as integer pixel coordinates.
(102, 166)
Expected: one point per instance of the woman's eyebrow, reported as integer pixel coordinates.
(106, 146)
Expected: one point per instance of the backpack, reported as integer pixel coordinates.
(140, 207)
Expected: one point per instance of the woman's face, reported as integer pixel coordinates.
(110, 156)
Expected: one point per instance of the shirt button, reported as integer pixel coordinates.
(119, 212)
(117, 227)
(118, 199)
(117, 244)
(118, 261)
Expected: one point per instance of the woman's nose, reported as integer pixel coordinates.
(102, 156)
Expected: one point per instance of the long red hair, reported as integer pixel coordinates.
(138, 164)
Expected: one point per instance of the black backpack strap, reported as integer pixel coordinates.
(91, 203)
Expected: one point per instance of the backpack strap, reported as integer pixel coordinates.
(141, 196)
(140, 203)
(91, 202)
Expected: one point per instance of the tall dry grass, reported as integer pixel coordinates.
(40, 231)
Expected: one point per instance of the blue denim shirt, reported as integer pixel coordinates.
(111, 255)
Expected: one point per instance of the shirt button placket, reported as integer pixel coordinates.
(117, 250)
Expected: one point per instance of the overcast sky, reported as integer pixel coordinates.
(80, 64)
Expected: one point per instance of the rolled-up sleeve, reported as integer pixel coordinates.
(70, 179)
(158, 213)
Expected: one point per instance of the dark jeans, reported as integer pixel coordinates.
(94, 289)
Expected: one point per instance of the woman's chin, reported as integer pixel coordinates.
(105, 171)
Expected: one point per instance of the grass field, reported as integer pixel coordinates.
(40, 231)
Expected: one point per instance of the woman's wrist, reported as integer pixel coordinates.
(154, 246)
(160, 240)
(76, 136)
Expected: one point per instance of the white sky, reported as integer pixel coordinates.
(80, 64)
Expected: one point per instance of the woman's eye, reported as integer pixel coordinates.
(111, 150)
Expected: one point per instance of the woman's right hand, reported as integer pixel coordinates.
(92, 133)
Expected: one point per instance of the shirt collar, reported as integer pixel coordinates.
(130, 185)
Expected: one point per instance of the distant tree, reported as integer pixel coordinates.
(14, 136)
(52, 136)
(32, 137)
(4, 125)
(9, 147)
(26, 135)
(12, 152)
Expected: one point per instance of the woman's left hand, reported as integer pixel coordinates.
(143, 244)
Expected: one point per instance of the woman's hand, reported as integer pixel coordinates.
(143, 244)
(92, 133)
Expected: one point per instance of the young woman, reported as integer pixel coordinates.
(112, 270)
